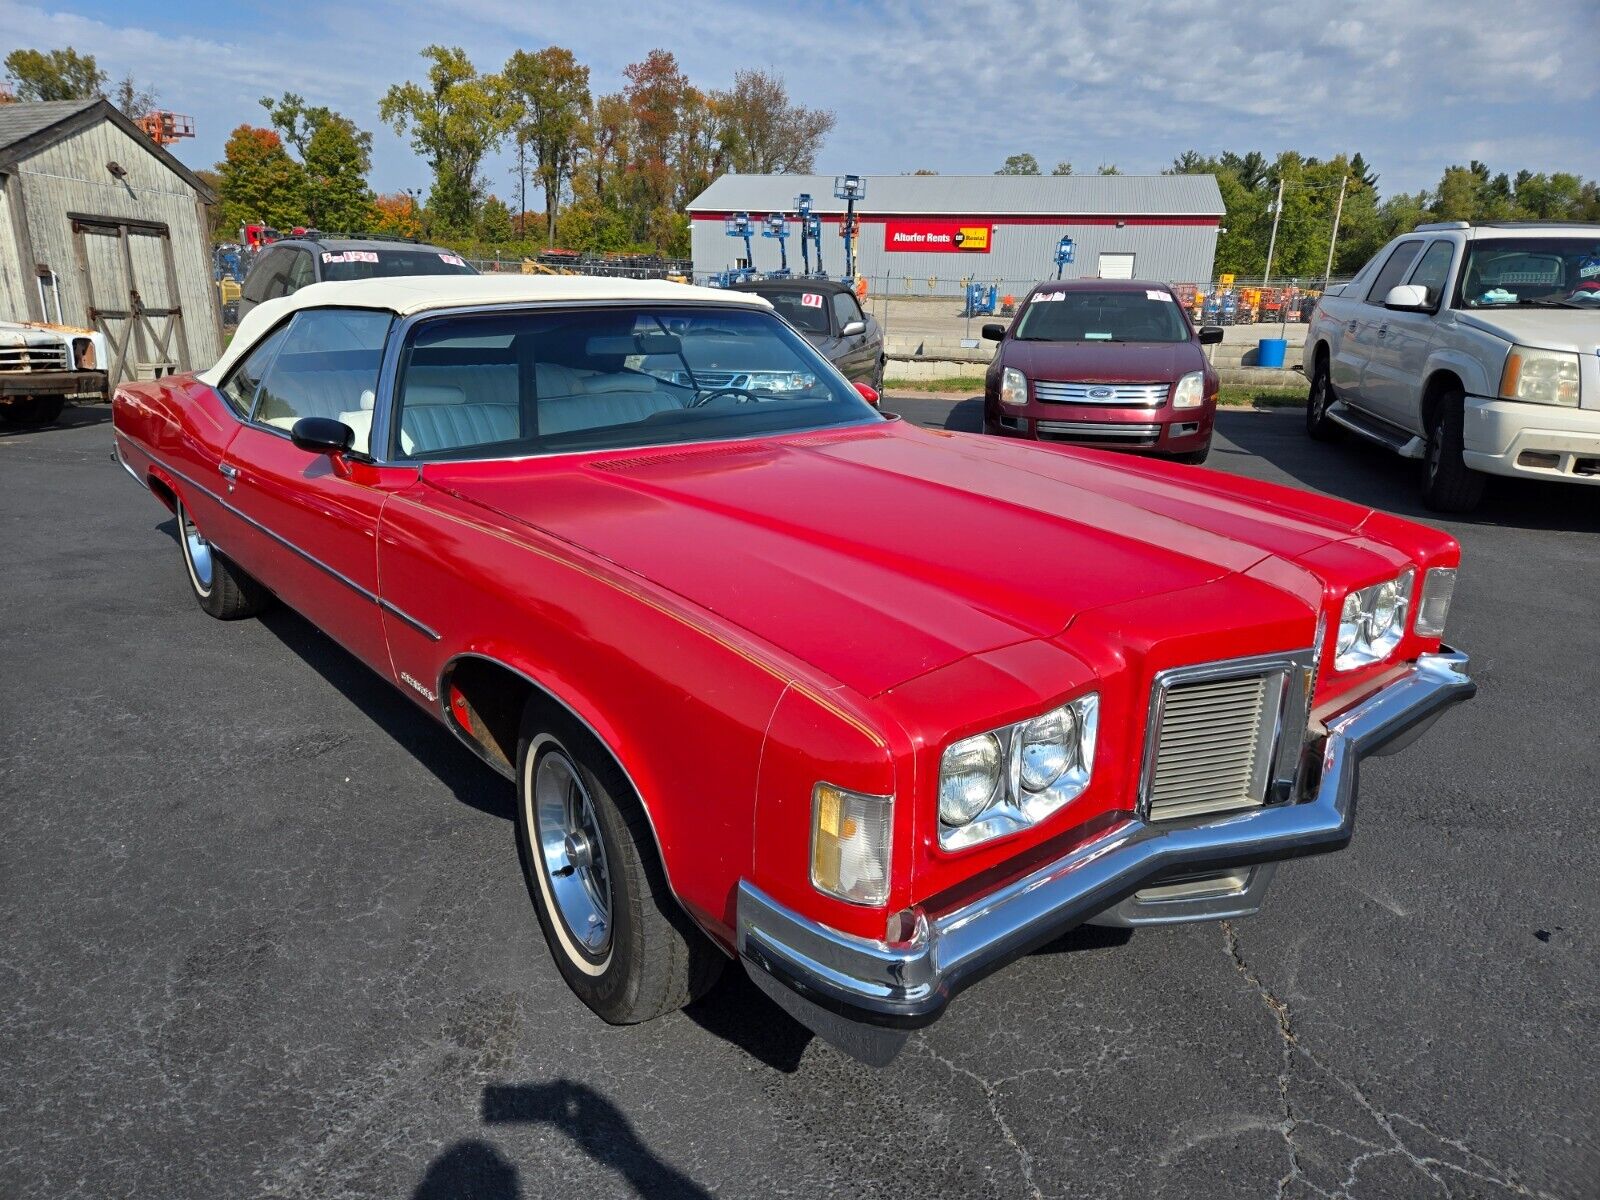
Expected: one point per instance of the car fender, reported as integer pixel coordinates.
(1468, 368)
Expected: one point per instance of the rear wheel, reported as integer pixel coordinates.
(1448, 484)
(30, 412)
(1318, 424)
(618, 936)
(223, 590)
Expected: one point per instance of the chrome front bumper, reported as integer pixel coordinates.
(825, 977)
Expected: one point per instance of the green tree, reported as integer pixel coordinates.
(1107, 169)
(1062, 168)
(494, 222)
(258, 181)
(54, 75)
(337, 160)
(456, 118)
(133, 98)
(296, 121)
(548, 92)
(1019, 164)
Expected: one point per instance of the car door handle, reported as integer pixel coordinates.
(1352, 326)
(1383, 331)
(229, 471)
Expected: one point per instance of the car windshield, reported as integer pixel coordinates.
(804, 310)
(344, 265)
(1558, 272)
(1149, 315)
(512, 385)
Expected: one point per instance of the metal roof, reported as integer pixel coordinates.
(25, 129)
(18, 121)
(989, 195)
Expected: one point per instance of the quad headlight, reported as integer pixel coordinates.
(1010, 778)
(1372, 621)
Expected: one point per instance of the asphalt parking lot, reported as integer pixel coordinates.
(265, 933)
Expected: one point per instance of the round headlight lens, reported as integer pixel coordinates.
(1349, 623)
(969, 776)
(1385, 608)
(1047, 743)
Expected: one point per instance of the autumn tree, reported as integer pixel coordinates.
(655, 95)
(548, 95)
(763, 131)
(455, 118)
(54, 75)
(1019, 164)
(258, 181)
(396, 213)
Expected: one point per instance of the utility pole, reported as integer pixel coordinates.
(1333, 238)
(1277, 212)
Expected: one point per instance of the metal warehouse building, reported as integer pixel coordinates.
(101, 227)
(931, 232)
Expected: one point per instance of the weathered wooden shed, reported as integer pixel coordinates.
(101, 227)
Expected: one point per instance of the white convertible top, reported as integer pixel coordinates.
(409, 294)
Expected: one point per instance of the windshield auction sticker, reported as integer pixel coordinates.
(366, 256)
(810, 300)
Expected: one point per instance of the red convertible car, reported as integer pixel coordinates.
(873, 709)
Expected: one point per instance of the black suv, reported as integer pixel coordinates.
(827, 312)
(286, 266)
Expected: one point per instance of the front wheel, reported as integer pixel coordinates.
(1194, 457)
(1448, 484)
(618, 936)
(1318, 424)
(222, 589)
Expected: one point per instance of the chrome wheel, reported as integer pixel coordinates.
(572, 855)
(196, 552)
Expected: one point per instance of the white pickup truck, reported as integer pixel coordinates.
(41, 365)
(1473, 347)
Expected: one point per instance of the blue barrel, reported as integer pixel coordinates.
(1270, 351)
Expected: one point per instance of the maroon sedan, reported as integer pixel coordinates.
(1101, 362)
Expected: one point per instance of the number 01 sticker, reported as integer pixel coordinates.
(810, 299)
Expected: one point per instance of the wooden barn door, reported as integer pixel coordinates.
(131, 288)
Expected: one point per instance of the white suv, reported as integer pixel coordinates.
(1474, 347)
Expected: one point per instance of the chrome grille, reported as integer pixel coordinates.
(1098, 430)
(1128, 395)
(1214, 741)
(34, 358)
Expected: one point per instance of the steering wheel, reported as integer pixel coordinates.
(740, 395)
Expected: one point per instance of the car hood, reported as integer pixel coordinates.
(1111, 362)
(880, 553)
(1571, 329)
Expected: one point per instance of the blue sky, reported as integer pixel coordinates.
(1413, 85)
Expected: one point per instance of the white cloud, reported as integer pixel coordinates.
(955, 87)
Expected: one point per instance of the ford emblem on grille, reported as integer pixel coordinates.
(1100, 393)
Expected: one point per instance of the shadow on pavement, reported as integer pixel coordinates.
(967, 416)
(1354, 470)
(469, 1171)
(74, 416)
(739, 1013)
(593, 1124)
(470, 781)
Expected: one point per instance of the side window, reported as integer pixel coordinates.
(255, 284)
(239, 389)
(301, 272)
(327, 367)
(845, 309)
(1394, 271)
(1433, 269)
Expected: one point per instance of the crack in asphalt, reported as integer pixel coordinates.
(1429, 1165)
(991, 1096)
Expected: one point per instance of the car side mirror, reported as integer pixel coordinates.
(853, 329)
(1210, 335)
(1408, 297)
(322, 435)
(994, 332)
(869, 394)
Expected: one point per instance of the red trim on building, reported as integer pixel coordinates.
(990, 218)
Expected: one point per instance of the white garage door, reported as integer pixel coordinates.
(1116, 266)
